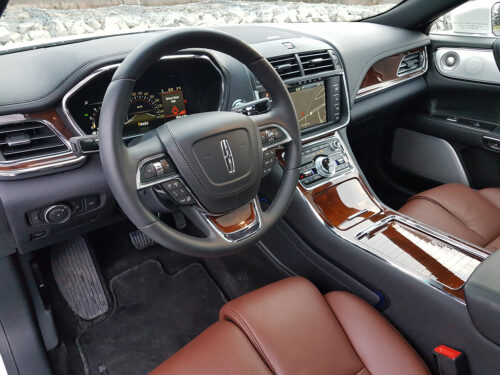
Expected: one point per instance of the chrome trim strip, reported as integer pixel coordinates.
(242, 233)
(41, 168)
(107, 68)
(359, 213)
(385, 85)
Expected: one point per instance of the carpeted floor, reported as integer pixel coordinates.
(155, 314)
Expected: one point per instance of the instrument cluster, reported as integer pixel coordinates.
(172, 88)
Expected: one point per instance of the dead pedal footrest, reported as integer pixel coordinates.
(76, 276)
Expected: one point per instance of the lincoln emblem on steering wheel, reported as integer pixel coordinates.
(228, 156)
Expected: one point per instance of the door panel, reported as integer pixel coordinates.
(462, 109)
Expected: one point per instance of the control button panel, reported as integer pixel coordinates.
(322, 161)
(178, 192)
(155, 169)
(268, 159)
(61, 212)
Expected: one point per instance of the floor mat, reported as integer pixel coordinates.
(155, 314)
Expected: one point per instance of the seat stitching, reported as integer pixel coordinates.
(444, 208)
(253, 338)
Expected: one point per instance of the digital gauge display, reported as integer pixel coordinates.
(146, 111)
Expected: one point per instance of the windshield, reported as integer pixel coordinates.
(33, 22)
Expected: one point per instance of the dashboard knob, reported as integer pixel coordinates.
(325, 166)
(57, 214)
(335, 144)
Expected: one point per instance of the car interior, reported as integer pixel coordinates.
(266, 198)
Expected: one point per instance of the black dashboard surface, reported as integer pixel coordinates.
(30, 86)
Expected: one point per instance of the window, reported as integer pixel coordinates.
(474, 18)
(34, 22)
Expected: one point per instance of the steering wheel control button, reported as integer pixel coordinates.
(57, 214)
(149, 172)
(172, 185)
(178, 193)
(273, 136)
(188, 199)
(155, 169)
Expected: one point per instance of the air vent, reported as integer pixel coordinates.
(411, 63)
(316, 62)
(28, 140)
(286, 66)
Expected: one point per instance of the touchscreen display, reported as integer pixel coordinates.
(310, 104)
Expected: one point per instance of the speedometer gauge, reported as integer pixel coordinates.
(144, 109)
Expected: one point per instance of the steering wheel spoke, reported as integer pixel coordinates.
(234, 226)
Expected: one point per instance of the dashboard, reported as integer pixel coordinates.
(172, 88)
(58, 99)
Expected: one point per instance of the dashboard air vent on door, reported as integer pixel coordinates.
(28, 140)
(316, 62)
(411, 63)
(286, 66)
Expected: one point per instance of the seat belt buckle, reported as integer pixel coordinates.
(449, 361)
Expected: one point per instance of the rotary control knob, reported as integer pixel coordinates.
(57, 214)
(335, 144)
(325, 166)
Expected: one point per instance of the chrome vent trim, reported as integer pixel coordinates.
(411, 63)
(30, 140)
(316, 62)
(286, 66)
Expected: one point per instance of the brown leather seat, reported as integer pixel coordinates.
(288, 327)
(472, 215)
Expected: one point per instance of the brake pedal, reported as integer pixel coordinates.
(140, 240)
(76, 276)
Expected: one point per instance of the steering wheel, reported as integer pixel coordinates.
(209, 163)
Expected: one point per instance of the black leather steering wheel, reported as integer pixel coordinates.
(217, 156)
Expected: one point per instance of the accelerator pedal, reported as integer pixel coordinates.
(140, 240)
(76, 276)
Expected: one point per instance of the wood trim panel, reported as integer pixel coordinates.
(335, 202)
(44, 162)
(385, 73)
(346, 204)
(235, 220)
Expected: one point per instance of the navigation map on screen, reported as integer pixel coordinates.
(310, 104)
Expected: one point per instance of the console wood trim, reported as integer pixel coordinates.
(329, 202)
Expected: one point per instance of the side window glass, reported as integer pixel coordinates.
(480, 18)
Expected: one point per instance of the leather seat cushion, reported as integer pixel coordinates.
(472, 215)
(220, 349)
(288, 327)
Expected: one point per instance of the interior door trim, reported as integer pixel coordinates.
(470, 64)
